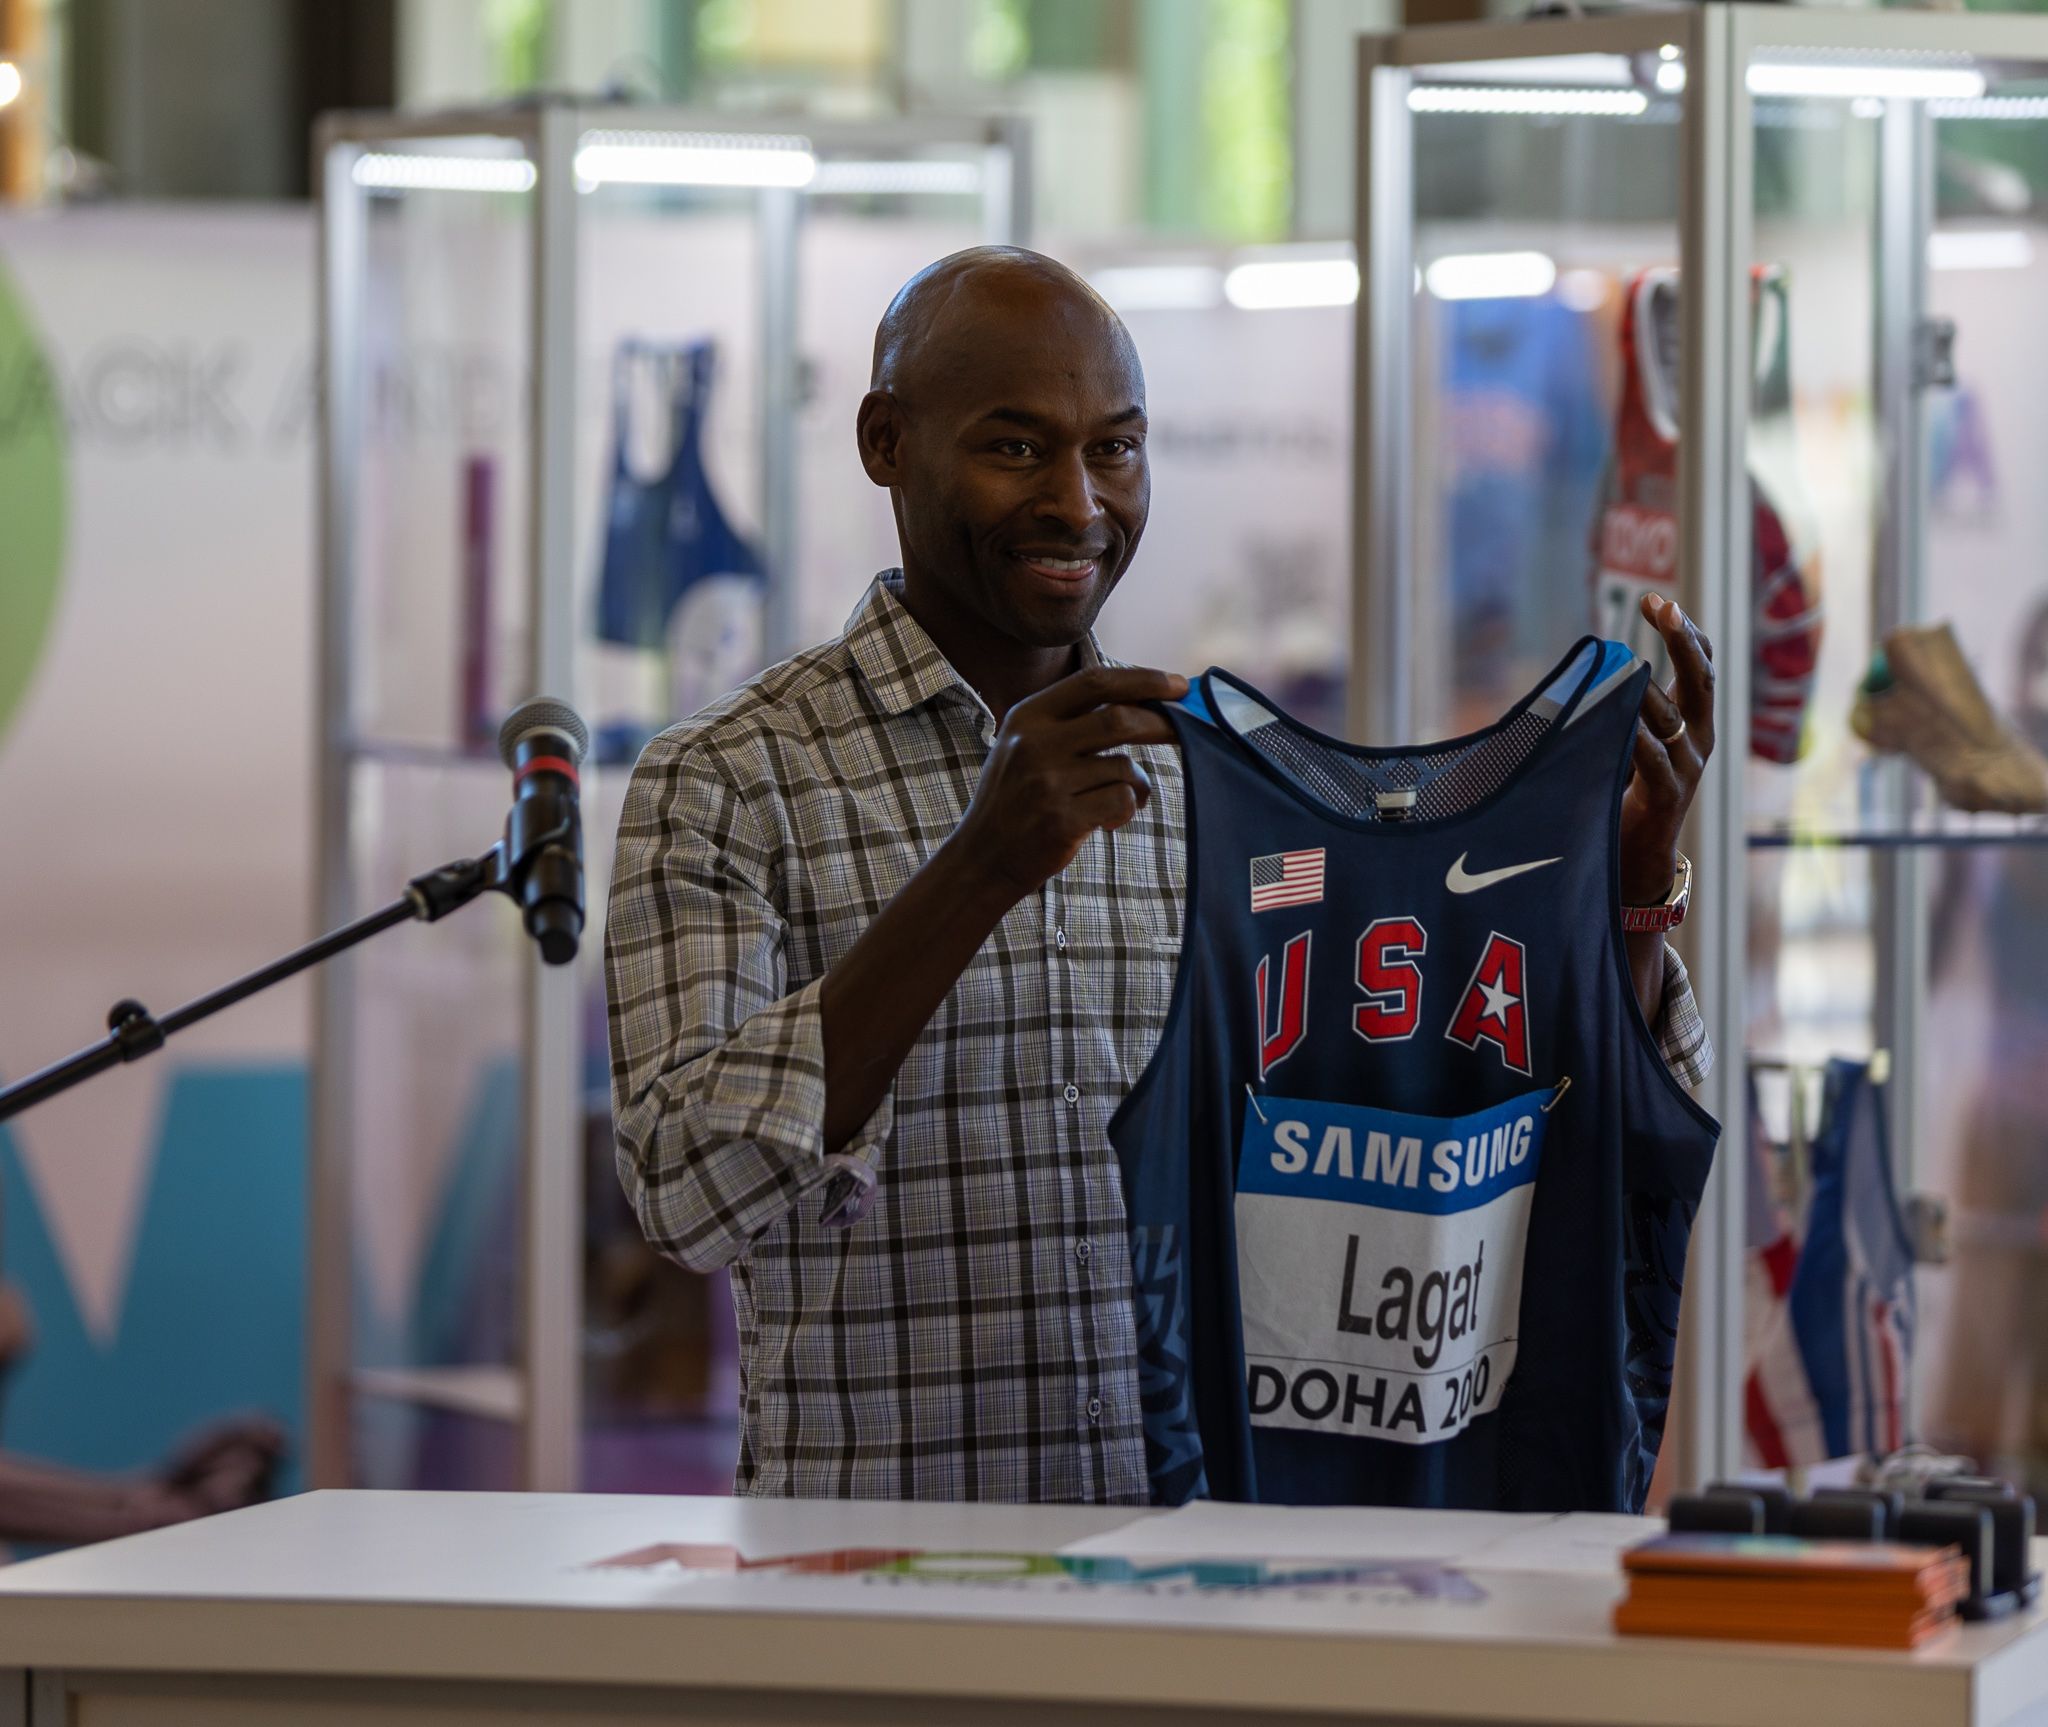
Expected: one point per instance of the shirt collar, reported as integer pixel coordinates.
(903, 666)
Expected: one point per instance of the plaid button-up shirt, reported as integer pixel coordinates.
(972, 1337)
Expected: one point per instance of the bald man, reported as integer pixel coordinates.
(893, 930)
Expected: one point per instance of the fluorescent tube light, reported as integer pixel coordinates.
(1160, 287)
(1521, 99)
(391, 172)
(1491, 276)
(1909, 83)
(10, 82)
(1283, 284)
(1979, 249)
(1552, 70)
(1843, 80)
(1491, 90)
(930, 179)
(1990, 108)
(674, 159)
(694, 159)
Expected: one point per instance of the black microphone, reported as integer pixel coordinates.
(543, 742)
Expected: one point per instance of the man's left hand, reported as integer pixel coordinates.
(1674, 738)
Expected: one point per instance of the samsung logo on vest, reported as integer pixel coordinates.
(1453, 1163)
(1364, 1156)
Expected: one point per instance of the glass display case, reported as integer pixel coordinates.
(1735, 303)
(581, 365)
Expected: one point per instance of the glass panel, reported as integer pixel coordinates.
(440, 623)
(440, 602)
(1815, 489)
(1983, 1380)
(1820, 969)
(436, 1104)
(1884, 923)
(1543, 505)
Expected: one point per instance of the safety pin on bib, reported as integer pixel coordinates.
(1256, 1110)
(1564, 1085)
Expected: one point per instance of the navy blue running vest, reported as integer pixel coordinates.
(1409, 1183)
(664, 533)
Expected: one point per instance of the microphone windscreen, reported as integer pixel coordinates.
(542, 714)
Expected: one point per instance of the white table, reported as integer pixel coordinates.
(407, 1609)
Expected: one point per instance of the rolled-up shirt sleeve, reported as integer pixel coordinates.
(718, 1069)
(1681, 1028)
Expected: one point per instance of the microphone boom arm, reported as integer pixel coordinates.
(133, 1031)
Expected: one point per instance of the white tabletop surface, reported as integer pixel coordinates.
(508, 1586)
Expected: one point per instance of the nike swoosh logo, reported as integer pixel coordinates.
(1459, 880)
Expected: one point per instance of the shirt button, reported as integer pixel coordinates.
(1083, 1248)
(1094, 1409)
(1059, 940)
(1072, 1094)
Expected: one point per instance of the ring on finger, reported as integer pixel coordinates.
(1671, 737)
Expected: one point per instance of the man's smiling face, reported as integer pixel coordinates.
(1019, 467)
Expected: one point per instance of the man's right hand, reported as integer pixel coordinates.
(1055, 774)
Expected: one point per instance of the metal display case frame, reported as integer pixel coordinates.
(1714, 224)
(541, 1394)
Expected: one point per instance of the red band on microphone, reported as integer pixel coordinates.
(550, 765)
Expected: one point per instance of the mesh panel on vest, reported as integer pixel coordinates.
(1445, 781)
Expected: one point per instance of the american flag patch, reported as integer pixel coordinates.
(1287, 878)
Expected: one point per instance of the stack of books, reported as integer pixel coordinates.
(1781, 1589)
